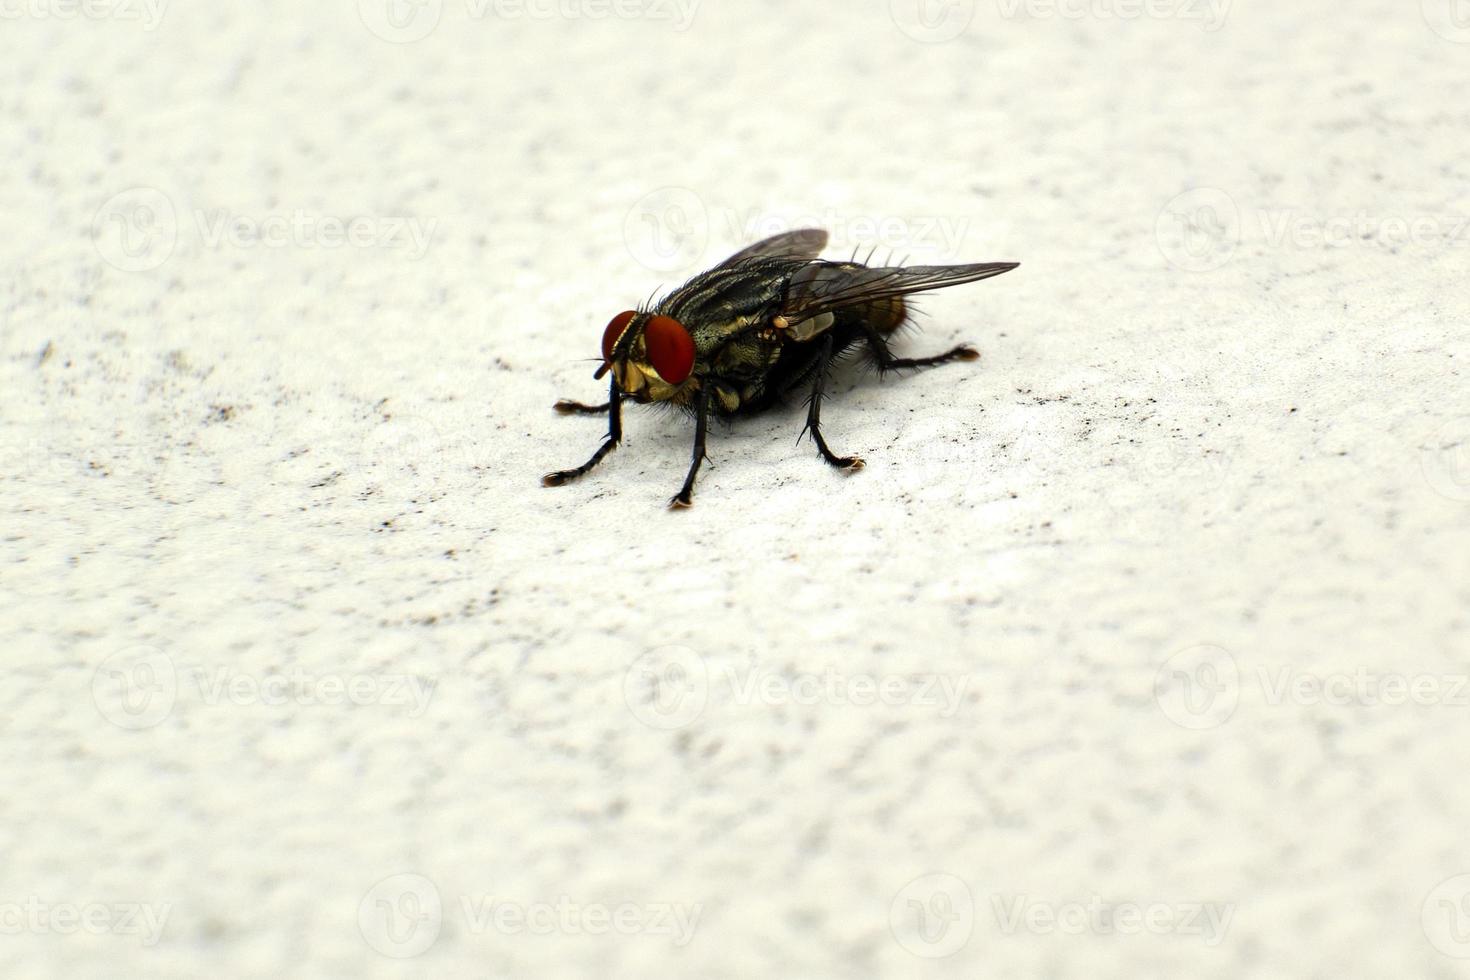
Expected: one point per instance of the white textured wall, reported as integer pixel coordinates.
(296, 647)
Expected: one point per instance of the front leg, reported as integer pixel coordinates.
(567, 407)
(614, 436)
(685, 497)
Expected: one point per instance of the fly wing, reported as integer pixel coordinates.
(825, 287)
(805, 244)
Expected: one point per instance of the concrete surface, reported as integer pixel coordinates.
(1138, 649)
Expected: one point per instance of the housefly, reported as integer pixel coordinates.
(736, 339)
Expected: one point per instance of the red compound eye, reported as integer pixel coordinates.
(670, 348)
(614, 331)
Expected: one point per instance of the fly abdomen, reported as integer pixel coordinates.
(885, 315)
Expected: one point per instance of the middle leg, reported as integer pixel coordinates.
(814, 412)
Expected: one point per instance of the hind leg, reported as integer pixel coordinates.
(887, 362)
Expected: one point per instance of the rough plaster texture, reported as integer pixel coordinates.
(303, 664)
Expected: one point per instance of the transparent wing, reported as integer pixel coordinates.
(824, 287)
(804, 244)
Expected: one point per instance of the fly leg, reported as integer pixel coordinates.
(685, 497)
(567, 407)
(614, 409)
(814, 412)
(887, 362)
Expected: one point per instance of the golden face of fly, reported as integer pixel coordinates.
(651, 356)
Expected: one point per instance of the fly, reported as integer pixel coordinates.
(736, 339)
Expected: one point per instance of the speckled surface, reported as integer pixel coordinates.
(307, 675)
